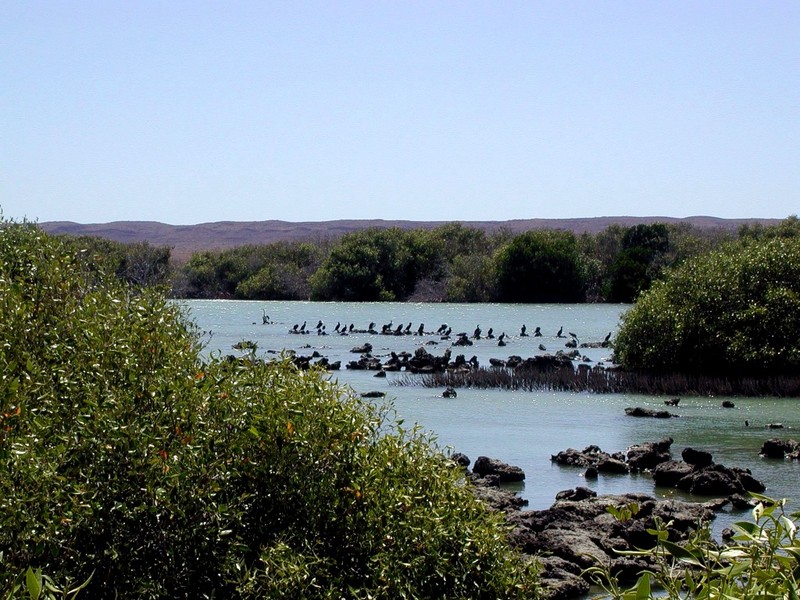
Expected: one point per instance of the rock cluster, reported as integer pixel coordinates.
(579, 530)
(775, 448)
(641, 457)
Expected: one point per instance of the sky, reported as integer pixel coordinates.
(195, 111)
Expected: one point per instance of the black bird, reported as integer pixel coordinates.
(523, 331)
(490, 333)
(421, 329)
(477, 333)
(559, 334)
(537, 332)
(608, 337)
(408, 328)
(442, 328)
(319, 324)
(502, 337)
(337, 327)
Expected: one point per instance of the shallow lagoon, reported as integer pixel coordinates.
(522, 428)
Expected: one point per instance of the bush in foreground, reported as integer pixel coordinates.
(732, 312)
(129, 464)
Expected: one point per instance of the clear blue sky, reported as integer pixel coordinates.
(195, 111)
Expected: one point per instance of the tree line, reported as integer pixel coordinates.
(450, 263)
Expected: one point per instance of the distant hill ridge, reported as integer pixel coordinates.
(186, 239)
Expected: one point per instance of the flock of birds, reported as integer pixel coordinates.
(444, 330)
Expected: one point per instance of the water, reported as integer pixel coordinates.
(521, 428)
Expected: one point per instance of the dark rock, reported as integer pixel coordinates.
(775, 426)
(728, 404)
(696, 458)
(449, 393)
(575, 534)
(638, 411)
(490, 466)
(645, 457)
(611, 465)
(776, 448)
(365, 349)
(579, 493)
(590, 473)
(718, 480)
(669, 473)
(461, 459)
(373, 394)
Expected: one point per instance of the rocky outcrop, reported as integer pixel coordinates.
(640, 457)
(578, 531)
(775, 448)
(704, 477)
(505, 473)
(638, 411)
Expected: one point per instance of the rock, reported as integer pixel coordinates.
(728, 404)
(775, 426)
(373, 394)
(365, 349)
(611, 464)
(669, 473)
(776, 448)
(590, 473)
(578, 532)
(461, 459)
(718, 480)
(579, 493)
(490, 466)
(638, 411)
(645, 457)
(696, 458)
(449, 393)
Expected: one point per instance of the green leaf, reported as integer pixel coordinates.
(34, 583)
(681, 553)
(643, 587)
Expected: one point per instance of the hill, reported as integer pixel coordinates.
(186, 239)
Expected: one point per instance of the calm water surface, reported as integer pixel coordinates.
(522, 428)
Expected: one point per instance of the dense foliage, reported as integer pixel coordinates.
(128, 464)
(450, 263)
(278, 271)
(733, 311)
(540, 266)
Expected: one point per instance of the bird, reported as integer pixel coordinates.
(537, 332)
(477, 333)
(522, 331)
(490, 333)
(559, 334)
(421, 329)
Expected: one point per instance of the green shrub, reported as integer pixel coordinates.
(731, 312)
(128, 464)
